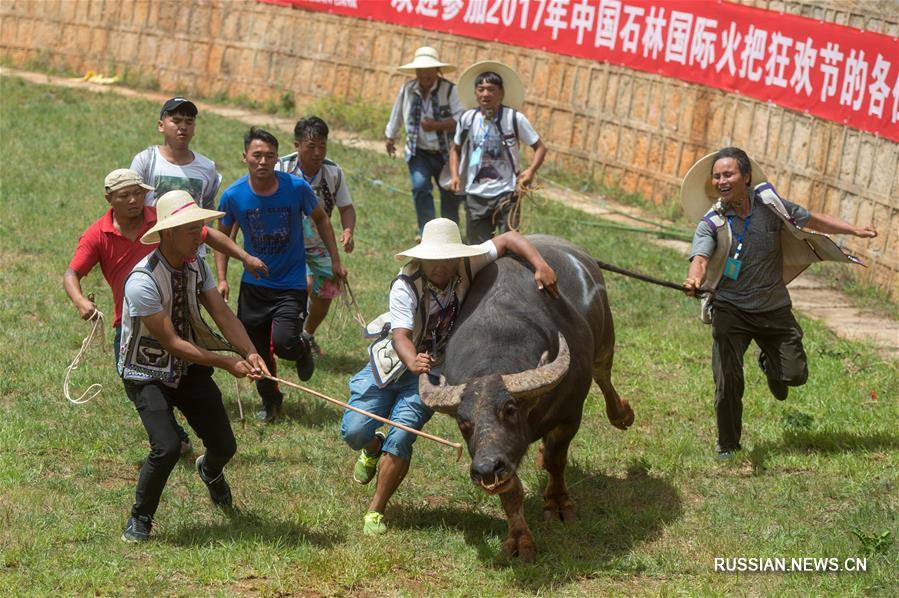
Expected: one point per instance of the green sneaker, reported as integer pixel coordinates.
(373, 524)
(367, 466)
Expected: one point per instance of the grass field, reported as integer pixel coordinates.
(817, 478)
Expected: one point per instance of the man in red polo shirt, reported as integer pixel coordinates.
(114, 242)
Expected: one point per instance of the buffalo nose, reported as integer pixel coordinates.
(488, 471)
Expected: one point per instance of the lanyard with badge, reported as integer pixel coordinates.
(480, 139)
(445, 316)
(733, 264)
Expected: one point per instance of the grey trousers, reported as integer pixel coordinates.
(778, 335)
(484, 215)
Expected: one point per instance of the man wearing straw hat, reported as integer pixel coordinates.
(410, 340)
(748, 245)
(429, 106)
(484, 161)
(113, 241)
(167, 356)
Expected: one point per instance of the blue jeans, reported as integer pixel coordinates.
(423, 168)
(399, 402)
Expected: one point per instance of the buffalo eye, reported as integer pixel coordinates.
(510, 410)
(464, 426)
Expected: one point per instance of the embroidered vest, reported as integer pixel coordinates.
(441, 111)
(801, 248)
(142, 357)
(385, 363)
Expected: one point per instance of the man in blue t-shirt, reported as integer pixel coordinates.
(268, 206)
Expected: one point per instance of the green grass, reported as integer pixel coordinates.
(352, 114)
(817, 478)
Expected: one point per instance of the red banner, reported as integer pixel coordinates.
(830, 71)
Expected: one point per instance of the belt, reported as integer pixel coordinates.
(427, 151)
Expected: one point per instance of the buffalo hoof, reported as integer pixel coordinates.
(559, 508)
(521, 546)
(624, 418)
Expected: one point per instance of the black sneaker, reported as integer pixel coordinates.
(777, 388)
(313, 346)
(219, 490)
(727, 454)
(306, 363)
(137, 529)
(270, 412)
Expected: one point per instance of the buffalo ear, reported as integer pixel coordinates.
(442, 398)
(540, 381)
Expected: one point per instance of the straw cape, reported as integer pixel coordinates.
(426, 58)
(800, 247)
(440, 240)
(176, 208)
(513, 88)
(698, 194)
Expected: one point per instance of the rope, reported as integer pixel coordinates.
(650, 279)
(383, 420)
(611, 210)
(94, 389)
(349, 300)
(243, 421)
(514, 203)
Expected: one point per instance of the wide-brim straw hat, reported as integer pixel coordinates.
(698, 194)
(176, 208)
(440, 240)
(513, 88)
(426, 58)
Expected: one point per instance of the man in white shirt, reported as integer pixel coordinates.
(173, 165)
(429, 107)
(169, 352)
(424, 300)
(485, 162)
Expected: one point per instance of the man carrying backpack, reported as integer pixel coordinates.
(485, 162)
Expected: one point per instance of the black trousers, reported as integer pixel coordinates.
(274, 321)
(778, 335)
(200, 401)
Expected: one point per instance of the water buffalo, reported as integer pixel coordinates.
(506, 391)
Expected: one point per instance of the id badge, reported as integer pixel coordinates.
(732, 268)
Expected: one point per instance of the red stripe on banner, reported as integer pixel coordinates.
(834, 72)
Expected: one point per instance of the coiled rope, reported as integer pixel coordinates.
(94, 389)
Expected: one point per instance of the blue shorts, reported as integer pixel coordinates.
(398, 401)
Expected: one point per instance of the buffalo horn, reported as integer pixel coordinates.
(542, 379)
(443, 398)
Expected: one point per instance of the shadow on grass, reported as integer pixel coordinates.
(243, 525)
(298, 406)
(347, 364)
(823, 441)
(308, 410)
(614, 515)
(837, 441)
